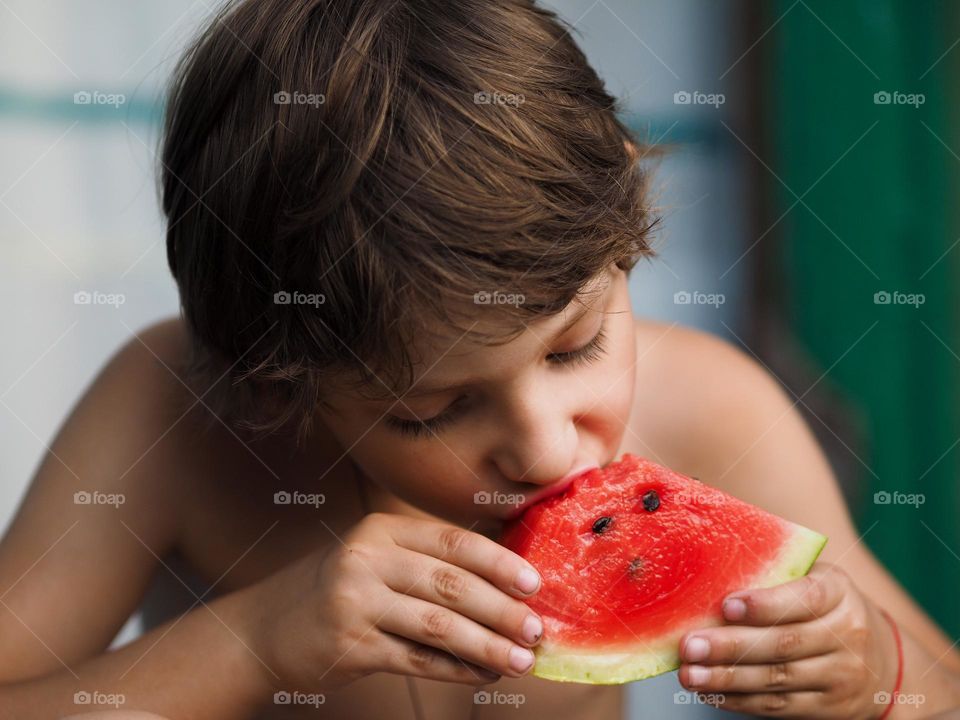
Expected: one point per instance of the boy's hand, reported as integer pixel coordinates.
(399, 595)
(811, 648)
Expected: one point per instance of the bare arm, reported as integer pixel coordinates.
(74, 567)
(764, 453)
(197, 666)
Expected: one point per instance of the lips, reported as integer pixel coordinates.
(554, 488)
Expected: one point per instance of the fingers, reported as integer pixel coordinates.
(800, 600)
(807, 674)
(778, 643)
(441, 583)
(445, 630)
(471, 551)
(405, 657)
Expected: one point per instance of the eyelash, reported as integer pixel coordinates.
(590, 352)
(417, 428)
(585, 355)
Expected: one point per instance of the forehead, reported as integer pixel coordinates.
(489, 342)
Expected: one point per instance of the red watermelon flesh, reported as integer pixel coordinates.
(635, 555)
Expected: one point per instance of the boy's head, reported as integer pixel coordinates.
(365, 197)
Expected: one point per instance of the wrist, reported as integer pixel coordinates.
(890, 677)
(245, 620)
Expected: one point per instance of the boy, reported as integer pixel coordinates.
(401, 232)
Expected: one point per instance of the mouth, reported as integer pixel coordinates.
(552, 489)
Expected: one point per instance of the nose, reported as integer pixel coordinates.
(538, 441)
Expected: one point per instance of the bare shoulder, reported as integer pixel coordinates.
(167, 336)
(715, 412)
(141, 411)
(138, 427)
(144, 380)
(694, 355)
(133, 412)
(144, 403)
(225, 482)
(161, 345)
(102, 507)
(700, 399)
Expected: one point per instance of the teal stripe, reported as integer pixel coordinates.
(60, 108)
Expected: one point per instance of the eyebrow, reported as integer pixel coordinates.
(419, 391)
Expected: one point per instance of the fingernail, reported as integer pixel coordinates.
(528, 580)
(521, 659)
(696, 649)
(697, 675)
(532, 629)
(734, 609)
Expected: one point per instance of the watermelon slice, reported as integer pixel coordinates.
(633, 556)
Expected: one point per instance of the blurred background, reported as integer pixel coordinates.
(809, 218)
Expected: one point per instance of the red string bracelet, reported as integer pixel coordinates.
(896, 687)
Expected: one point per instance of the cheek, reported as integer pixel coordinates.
(435, 476)
(617, 399)
(611, 383)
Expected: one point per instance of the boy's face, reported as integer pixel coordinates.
(487, 427)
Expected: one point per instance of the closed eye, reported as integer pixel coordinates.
(584, 355)
(593, 350)
(417, 428)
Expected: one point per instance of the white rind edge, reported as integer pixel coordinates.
(555, 662)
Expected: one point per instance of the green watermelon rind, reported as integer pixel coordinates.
(555, 662)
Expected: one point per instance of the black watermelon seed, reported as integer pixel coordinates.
(651, 501)
(602, 524)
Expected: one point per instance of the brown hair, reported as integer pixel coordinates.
(388, 161)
